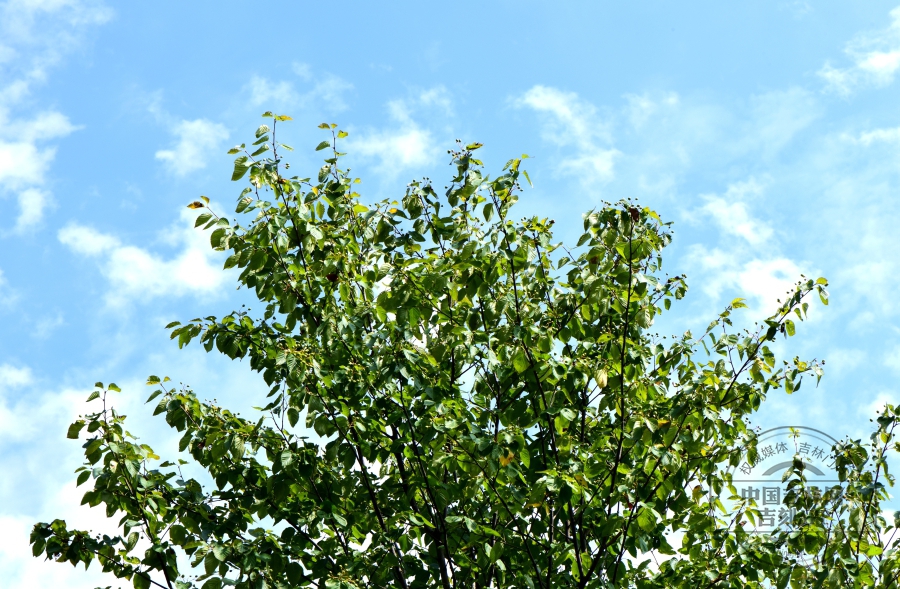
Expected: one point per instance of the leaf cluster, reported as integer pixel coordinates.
(457, 400)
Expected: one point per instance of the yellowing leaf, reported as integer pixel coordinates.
(196, 205)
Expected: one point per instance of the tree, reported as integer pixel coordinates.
(490, 410)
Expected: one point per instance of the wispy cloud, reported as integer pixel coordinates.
(14, 376)
(641, 107)
(32, 203)
(731, 212)
(7, 295)
(195, 141)
(573, 123)
(25, 162)
(407, 143)
(47, 324)
(889, 135)
(875, 60)
(323, 89)
(34, 36)
(762, 280)
(775, 119)
(33, 422)
(748, 262)
(138, 274)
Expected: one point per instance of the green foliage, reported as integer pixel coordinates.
(489, 408)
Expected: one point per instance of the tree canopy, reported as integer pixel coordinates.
(457, 400)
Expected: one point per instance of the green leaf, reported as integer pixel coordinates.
(75, 429)
(323, 145)
(141, 581)
(240, 168)
(520, 361)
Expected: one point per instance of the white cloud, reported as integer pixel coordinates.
(7, 295)
(437, 96)
(752, 266)
(23, 164)
(407, 147)
(883, 398)
(892, 358)
(875, 56)
(798, 8)
(23, 19)
(777, 117)
(32, 203)
(768, 280)
(44, 125)
(137, 274)
(41, 487)
(264, 91)
(303, 70)
(880, 135)
(762, 281)
(327, 90)
(197, 139)
(86, 241)
(572, 122)
(36, 34)
(14, 377)
(47, 325)
(731, 213)
(407, 144)
(642, 107)
(842, 362)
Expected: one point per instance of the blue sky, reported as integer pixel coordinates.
(769, 132)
